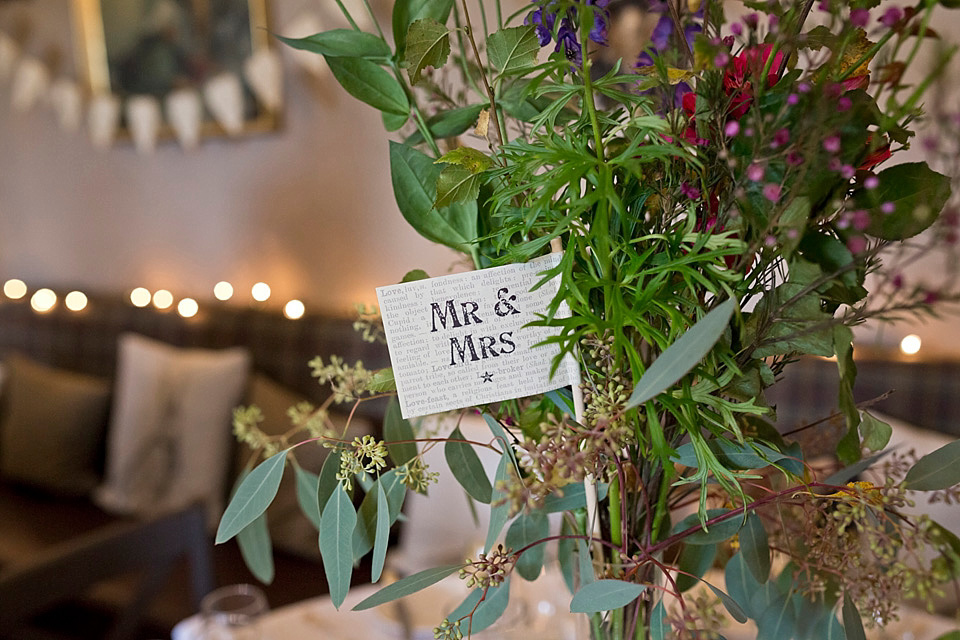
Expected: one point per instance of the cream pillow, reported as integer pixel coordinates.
(170, 434)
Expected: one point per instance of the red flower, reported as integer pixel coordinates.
(738, 78)
(876, 156)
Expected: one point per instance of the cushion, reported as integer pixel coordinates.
(51, 435)
(170, 433)
(289, 528)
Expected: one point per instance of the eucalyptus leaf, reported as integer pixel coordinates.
(574, 497)
(347, 43)
(659, 626)
(382, 535)
(683, 355)
(566, 554)
(368, 517)
(874, 433)
(408, 585)
(754, 547)
(513, 49)
(253, 496)
(694, 561)
(369, 83)
(742, 586)
(936, 470)
(499, 514)
(777, 620)
(717, 532)
(605, 595)
(414, 176)
(501, 435)
(307, 495)
(526, 530)
(847, 474)
(730, 604)
(327, 481)
(255, 547)
(852, 624)
(584, 562)
(428, 45)
(488, 611)
(336, 543)
(398, 435)
(467, 467)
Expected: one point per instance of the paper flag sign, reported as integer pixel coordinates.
(458, 341)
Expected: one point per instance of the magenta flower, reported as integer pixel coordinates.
(859, 17)
(832, 144)
(857, 244)
(732, 128)
(771, 191)
(755, 172)
(891, 16)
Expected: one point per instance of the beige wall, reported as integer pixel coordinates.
(308, 209)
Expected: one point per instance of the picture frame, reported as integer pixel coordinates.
(130, 48)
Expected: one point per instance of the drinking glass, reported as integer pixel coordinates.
(233, 613)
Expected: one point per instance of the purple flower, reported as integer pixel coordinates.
(832, 144)
(736, 29)
(567, 42)
(793, 99)
(543, 24)
(690, 191)
(856, 244)
(871, 182)
(860, 219)
(794, 159)
(732, 128)
(859, 17)
(598, 33)
(891, 16)
(888, 207)
(780, 138)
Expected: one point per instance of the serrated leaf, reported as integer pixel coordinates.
(406, 12)
(336, 543)
(500, 513)
(852, 624)
(467, 467)
(918, 194)
(408, 585)
(414, 177)
(255, 547)
(488, 611)
(513, 49)
(683, 355)
(467, 157)
(457, 185)
(525, 530)
(936, 470)
(398, 435)
(605, 595)
(754, 548)
(307, 495)
(428, 45)
(253, 496)
(369, 83)
(874, 434)
(342, 43)
(382, 381)
(382, 535)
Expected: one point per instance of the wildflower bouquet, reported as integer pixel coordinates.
(724, 204)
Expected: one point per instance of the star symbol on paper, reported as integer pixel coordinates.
(487, 376)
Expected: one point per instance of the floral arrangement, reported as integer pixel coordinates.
(724, 204)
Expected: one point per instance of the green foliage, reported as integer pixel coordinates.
(344, 43)
(254, 543)
(336, 547)
(428, 45)
(467, 467)
(369, 83)
(407, 586)
(513, 50)
(937, 470)
(252, 497)
(917, 192)
(604, 595)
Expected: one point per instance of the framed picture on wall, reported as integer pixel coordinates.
(163, 49)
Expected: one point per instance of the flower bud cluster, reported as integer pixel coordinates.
(447, 630)
(416, 476)
(347, 383)
(368, 455)
(489, 570)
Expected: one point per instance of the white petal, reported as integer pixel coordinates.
(264, 72)
(223, 95)
(185, 114)
(103, 118)
(143, 118)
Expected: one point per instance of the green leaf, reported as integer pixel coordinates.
(875, 434)
(574, 497)
(659, 627)
(365, 533)
(848, 449)
(367, 82)
(732, 455)
(408, 585)
(327, 482)
(416, 274)
(253, 496)
(428, 45)
(393, 121)
(255, 547)
(950, 635)
(777, 620)
(382, 536)
(307, 495)
(449, 124)
(488, 611)
(852, 624)
(525, 530)
(382, 381)
(683, 355)
(500, 513)
(336, 543)
(846, 474)
(731, 605)
(414, 177)
(467, 468)
(605, 595)
(467, 157)
(694, 560)
(918, 194)
(347, 43)
(936, 470)
(513, 49)
(457, 185)
(754, 548)
(501, 435)
(406, 12)
(717, 532)
(584, 563)
(566, 554)
(398, 435)
(742, 586)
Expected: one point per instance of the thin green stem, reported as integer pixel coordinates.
(373, 18)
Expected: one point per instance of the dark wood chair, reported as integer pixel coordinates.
(149, 550)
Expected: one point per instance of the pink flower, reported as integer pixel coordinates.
(856, 244)
(891, 16)
(888, 208)
(859, 17)
(780, 138)
(755, 172)
(832, 144)
(871, 182)
(771, 191)
(732, 128)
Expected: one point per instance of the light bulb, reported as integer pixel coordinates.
(294, 309)
(223, 291)
(140, 297)
(76, 301)
(910, 344)
(260, 291)
(43, 300)
(162, 299)
(188, 307)
(14, 289)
